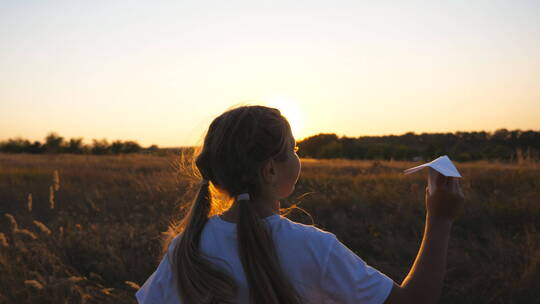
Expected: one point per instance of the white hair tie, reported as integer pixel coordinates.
(243, 196)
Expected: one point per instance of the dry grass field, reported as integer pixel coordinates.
(87, 229)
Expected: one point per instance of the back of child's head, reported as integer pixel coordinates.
(235, 147)
(236, 144)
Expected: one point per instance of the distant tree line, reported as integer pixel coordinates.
(57, 144)
(502, 144)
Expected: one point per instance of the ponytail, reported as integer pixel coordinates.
(267, 282)
(199, 281)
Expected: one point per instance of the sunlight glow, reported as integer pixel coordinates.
(151, 73)
(291, 110)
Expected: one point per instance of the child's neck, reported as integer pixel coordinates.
(263, 208)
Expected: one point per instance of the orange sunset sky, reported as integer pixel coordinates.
(158, 72)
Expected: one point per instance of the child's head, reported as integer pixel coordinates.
(246, 149)
(250, 149)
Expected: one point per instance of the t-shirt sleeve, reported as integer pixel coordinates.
(346, 278)
(160, 287)
(152, 289)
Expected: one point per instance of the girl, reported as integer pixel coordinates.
(252, 254)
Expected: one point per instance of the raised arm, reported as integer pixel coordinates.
(423, 284)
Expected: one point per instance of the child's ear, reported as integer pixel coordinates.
(269, 171)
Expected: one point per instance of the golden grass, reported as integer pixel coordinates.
(87, 229)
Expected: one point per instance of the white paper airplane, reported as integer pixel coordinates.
(442, 165)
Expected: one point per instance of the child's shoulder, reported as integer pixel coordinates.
(305, 231)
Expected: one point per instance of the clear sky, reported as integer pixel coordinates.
(158, 72)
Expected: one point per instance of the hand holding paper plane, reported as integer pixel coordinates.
(442, 165)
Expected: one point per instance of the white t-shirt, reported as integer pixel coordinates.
(322, 269)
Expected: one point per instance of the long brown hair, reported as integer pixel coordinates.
(236, 145)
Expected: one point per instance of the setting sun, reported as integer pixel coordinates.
(291, 110)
